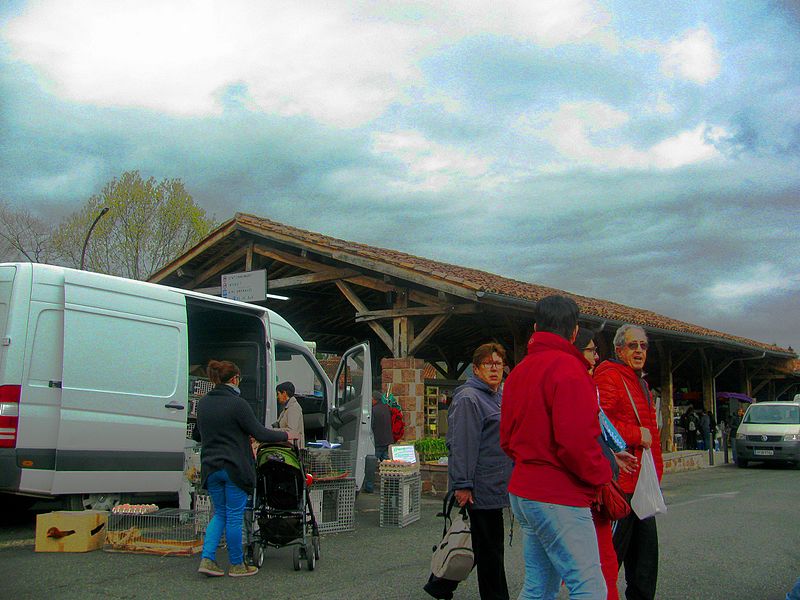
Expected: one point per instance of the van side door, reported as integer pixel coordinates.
(124, 387)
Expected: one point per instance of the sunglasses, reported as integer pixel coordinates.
(634, 345)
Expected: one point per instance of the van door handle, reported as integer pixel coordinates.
(174, 406)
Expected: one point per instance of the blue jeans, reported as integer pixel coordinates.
(229, 501)
(794, 594)
(560, 544)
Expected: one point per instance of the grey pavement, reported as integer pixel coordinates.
(729, 533)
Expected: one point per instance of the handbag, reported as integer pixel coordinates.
(453, 557)
(611, 502)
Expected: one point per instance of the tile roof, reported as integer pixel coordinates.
(482, 281)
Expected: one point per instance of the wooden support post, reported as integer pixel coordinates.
(746, 383)
(708, 381)
(667, 395)
(248, 261)
(520, 335)
(403, 328)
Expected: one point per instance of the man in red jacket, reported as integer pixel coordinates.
(628, 403)
(549, 427)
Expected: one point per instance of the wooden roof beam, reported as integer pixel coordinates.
(415, 311)
(426, 333)
(217, 267)
(316, 277)
(353, 298)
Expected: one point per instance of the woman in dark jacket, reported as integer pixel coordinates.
(478, 471)
(225, 423)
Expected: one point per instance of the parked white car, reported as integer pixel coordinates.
(770, 431)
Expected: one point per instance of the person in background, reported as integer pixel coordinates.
(381, 434)
(692, 427)
(291, 417)
(225, 423)
(705, 429)
(619, 461)
(736, 420)
(381, 426)
(625, 398)
(549, 428)
(478, 471)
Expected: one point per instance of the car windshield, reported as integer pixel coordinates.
(773, 415)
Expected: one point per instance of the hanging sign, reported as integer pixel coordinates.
(250, 286)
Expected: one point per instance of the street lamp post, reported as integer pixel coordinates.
(89, 233)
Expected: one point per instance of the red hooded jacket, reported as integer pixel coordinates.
(549, 425)
(609, 377)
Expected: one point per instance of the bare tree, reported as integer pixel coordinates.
(24, 236)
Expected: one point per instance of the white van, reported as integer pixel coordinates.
(94, 381)
(769, 431)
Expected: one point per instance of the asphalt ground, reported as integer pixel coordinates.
(728, 534)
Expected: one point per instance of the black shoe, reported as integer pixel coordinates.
(442, 589)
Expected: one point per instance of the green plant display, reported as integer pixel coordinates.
(430, 448)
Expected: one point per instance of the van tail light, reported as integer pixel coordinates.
(9, 415)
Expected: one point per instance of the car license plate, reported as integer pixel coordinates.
(763, 452)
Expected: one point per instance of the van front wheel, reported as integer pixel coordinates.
(92, 501)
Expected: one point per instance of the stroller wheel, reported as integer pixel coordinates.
(311, 557)
(315, 545)
(296, 558)
(255, 554)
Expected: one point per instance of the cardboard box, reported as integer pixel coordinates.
(71, 531)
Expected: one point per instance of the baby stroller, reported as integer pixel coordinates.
(281, 513)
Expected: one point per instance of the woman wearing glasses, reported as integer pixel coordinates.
(479, 470)
(621, 461)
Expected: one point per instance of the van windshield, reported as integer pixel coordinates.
(773, 415)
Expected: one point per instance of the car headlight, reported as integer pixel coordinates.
(792, 437)
(740, 436)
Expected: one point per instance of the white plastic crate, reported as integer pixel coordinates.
(400, 499)
(334, 504)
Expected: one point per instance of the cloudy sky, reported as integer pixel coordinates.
(643, 152)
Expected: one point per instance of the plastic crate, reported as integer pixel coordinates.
(199, 386)
(400, 499)
(326, 464)
(334, 502)
(169, 531)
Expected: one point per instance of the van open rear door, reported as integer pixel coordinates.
(123, 388)
(351, 415)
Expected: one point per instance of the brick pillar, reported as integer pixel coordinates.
(408, 386)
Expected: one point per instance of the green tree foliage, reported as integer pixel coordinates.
(148, 224)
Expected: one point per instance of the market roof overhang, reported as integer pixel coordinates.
(342, 291)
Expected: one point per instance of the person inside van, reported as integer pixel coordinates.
(225, 422)
(291, 417)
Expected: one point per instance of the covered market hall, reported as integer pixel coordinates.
(423, 319)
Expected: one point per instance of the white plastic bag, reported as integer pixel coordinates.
(647, 499)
